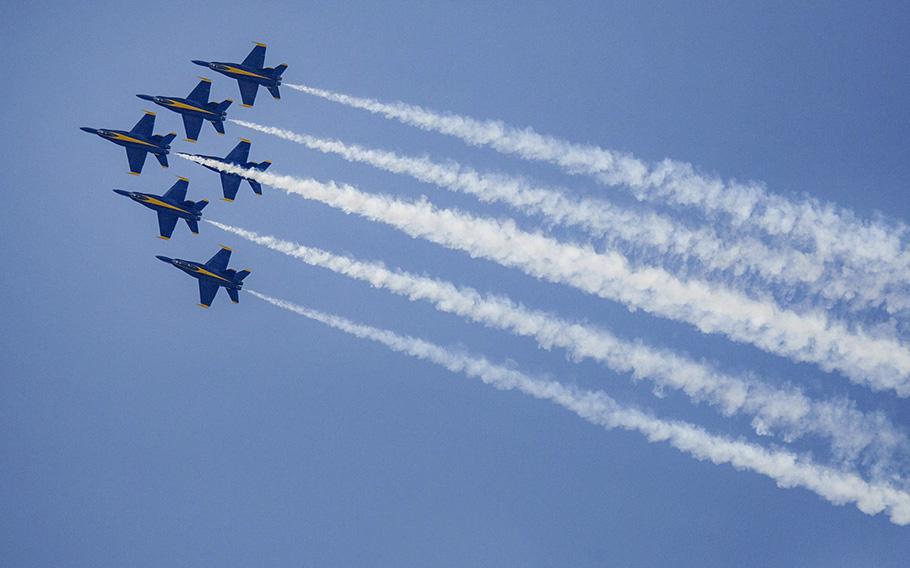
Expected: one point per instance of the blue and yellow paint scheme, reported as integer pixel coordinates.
(212, 275)
(230, 183)
(195, 108)
(250, 74)
(170, 207)
(139, 142)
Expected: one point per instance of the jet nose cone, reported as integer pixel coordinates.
(146, 97)
(122, 192)
(163, 258)
(200, 62)
(89, 130)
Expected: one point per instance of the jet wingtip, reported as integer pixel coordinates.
(206, 306)
(181, 178)
(260, 44)
(133, 173)
(190, 140)
(225, 247)
(244, 105)
(163, 238)
(247, 140)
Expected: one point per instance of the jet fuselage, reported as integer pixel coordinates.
(186, 106)
(130, 140)
(242, 72)
(159, 203)
(200, 271)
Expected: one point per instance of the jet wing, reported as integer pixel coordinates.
(248, 90)
(220, 260)
(192, 124)
(166, 224)
(136, 158)
(207, 291)
(240, 153)
(256, 58)
(201, 93)
(230, 183)
(145, 125)
(177, 192)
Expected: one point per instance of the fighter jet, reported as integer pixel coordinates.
(171, 207)
(195, 108)
(138, 142)
(250, 74)
(230, 183)
(212, 275)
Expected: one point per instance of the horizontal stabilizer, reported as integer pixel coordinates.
(235, 297)
(277, 71)
(193, 225)
(219, 126)
(200, 205)
(223, 105)
(241, 275)
(162, 159)
(257, 187)
(262, 166)
(275, 93)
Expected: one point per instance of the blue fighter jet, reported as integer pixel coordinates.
(171, 207)
(139, 142)
(250, 74)
(230, 183)
(195, 108)
(212, 275)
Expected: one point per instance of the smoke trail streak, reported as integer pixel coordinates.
(785, 468)
(787, 411)
(874, 250)
(598, 217)
(879, 363)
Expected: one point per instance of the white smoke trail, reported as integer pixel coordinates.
(598, 217)
(785, 468)
(880, 363)
(787, 411)
(874, 250)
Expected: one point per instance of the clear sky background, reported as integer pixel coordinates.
(137, 429)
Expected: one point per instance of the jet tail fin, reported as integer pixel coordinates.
(241, 275)
(200, 205)
(262, 166)
(219, 126)
(167, 138)
(223, 105)
(277, 71)
(193, 225)
(275, 93)
(235, 297)
(162, 159)
(257, 187)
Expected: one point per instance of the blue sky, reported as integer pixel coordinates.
(138, 429)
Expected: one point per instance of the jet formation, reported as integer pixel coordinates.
(173, 205)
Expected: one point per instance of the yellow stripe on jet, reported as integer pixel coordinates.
(126, 138)
(205, 272)
(160, 203)
(231, 69)
(178, 104)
